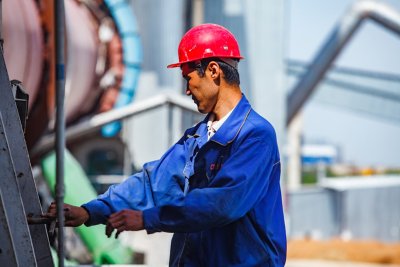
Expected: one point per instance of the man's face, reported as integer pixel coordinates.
(202, 89)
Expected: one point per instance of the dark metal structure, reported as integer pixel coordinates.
(21, 244)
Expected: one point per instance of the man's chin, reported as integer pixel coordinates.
(202, 110)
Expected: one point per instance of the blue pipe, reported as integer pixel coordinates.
(127, 27)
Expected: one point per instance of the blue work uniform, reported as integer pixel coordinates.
(221, 197)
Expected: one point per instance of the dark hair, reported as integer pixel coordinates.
(231, 74)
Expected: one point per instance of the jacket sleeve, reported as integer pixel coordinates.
(160, 183)
(133, 193)
(232, 193)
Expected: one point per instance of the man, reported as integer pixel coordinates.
(218, 187)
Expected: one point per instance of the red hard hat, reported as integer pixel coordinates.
(205, 41)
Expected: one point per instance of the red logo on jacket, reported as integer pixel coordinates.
(215, 166)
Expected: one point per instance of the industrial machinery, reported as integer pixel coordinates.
(103, 59)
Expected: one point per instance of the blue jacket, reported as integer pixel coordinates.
(220, 197)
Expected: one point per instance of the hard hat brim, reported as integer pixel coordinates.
(174, 65)
(178, 64)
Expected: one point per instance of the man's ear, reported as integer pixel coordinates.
(214, 69)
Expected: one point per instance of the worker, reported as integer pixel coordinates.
(218, 188)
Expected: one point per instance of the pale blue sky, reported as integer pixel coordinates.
(363, 140)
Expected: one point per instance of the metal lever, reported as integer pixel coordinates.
(50, 222)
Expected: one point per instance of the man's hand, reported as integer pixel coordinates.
(73, 215)
(124, 220)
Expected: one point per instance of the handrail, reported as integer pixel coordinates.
(378, 12)
(96, 122)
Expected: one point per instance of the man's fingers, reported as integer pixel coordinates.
(120, 230)
(50, 215)
(52, 212)
(67, 213)
(116, 215)
(124, 220)
(116, 221)
(109, 230)
(70, 223)
(117, 225)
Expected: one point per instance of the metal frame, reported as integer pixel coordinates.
(344, 30)
(16, 248)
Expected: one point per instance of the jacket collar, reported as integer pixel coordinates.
(231, 127)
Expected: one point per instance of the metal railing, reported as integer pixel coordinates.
(93, 124)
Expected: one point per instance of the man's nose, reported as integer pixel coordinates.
(187, 89)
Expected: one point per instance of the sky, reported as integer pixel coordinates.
(363, 140)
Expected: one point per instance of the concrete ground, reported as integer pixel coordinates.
(155, 248)
(291, 263)
(318, 263)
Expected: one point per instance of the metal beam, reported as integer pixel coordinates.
(362, 10)
(346, 85)
(15, 243)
